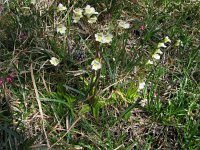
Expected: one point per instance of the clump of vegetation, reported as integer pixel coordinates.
(99, 74)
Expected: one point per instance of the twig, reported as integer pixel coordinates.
(119, 147)
(39, 104)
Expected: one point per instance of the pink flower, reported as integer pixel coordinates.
(1, 82)
(9, 78)
(142, 28)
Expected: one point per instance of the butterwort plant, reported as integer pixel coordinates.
(96, 65)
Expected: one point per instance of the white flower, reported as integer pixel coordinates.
(61, 29)
(76, 19)
(161, 45)
(141, 85)
(143, 102)
(61, 7)
(179, 43)
(108, 38)
(33, 2)
(78, 12)
(96, 65)
(89, 11)
(54, 61)
(99, 37)
(156, 56)
(123, 24)
(150, 62)
(167, 39)
(92, 20)
(158, 51)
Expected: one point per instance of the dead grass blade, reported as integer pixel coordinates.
(39, 104)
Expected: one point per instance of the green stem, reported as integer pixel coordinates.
(94, 84)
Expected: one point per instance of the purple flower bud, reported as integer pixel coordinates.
(1, 82)
(142, 27)
(9, 78)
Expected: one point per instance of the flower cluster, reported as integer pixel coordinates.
(158, 52)
(61, 28)
(103, 38)
(9, 79)
(88, 11)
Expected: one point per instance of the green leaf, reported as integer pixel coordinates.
(132, 93)
(85, 109)
(58, 101)
(74, 90)
(127, 115)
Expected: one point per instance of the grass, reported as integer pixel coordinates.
(71, 106)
